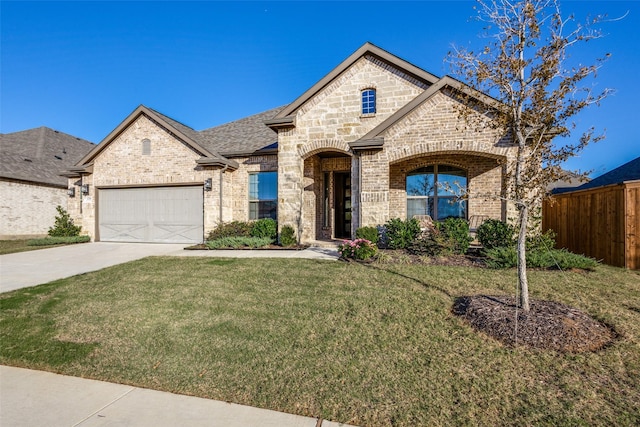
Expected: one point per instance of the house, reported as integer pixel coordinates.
(601, 218)
(30, 183)
(376, 138)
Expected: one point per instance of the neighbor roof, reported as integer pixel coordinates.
(39, 155)
(630, 171)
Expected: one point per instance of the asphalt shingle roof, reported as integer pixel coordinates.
(630, 171)
(40, 155)
(246, 135)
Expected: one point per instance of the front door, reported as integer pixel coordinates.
(342, 203)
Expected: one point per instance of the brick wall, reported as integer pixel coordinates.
(28, 210)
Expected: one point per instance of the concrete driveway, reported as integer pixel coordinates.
(24, 269)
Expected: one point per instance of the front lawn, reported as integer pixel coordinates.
(366, 344)
(14, 246)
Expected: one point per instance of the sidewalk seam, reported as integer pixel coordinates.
(104, 407)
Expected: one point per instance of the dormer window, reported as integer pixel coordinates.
(369, 101)
(146, 147)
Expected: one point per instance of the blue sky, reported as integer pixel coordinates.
(82, 67)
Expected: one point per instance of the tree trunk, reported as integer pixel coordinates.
(522, 260)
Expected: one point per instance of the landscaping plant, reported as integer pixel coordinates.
(360, 249)
(401, 234)
(265, 228)
(287, 236)
(230, 229)
(494, 233)
(368, 233)
(63, 225)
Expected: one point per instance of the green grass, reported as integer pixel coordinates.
(14, 246)
(371, 345)
(23, 245)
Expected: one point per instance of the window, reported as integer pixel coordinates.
(369, 101)
(146, 147)
(263, 195)
(434, 190)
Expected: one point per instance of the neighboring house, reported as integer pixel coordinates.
(30, 183)
(601, 218)
(376, 138)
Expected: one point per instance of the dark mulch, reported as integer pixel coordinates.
(548, 325)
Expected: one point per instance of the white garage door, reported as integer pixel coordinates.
(153, 214)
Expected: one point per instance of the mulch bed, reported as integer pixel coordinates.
(203, 247)
(548, 325)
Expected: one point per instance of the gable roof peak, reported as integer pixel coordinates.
(367, 48)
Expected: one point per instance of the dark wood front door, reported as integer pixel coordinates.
(342, 203)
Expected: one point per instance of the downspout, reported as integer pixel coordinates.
(222, 171)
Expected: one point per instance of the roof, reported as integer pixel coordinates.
(630, 171)
(39, 155)
(244, 136)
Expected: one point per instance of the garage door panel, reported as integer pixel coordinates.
(154, 214)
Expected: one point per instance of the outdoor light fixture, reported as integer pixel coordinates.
(71, 192)
(207, 184)
(85, 188)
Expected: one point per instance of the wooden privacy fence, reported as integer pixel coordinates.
(601, 222)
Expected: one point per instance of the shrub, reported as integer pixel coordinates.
(506, 257)
(368, 233)
(266, 227)
(64, 240)
(494, 233)
(541, 241)
(63, 225)
(288, 236)
(455, 232)
(230, 229)
(237, 242)
(358, 249)
(400, 234)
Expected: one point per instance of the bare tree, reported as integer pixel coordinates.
(525, 68)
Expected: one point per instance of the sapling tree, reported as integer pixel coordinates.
(525, 68)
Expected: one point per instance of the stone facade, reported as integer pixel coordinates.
(338, 169)
(27, 210)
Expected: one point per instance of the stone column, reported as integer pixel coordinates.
(374, 188)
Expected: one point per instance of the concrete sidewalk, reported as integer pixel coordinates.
(35, 398)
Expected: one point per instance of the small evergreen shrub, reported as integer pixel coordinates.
(368, 233)
(64, 240)
(265, 227)
(230, 229)
(401, 234)
(455, 232)
(494, 233)
(361, 249)
(63, 225)
(287, 236)
(237, 242)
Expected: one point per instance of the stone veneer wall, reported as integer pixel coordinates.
(483, 174)
(433, 133)
(329, 121)
(236, 193)
(27, 210)
(122, 164)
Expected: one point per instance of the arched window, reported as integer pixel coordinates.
(146, 147)
(434, 191)
(369, 101)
